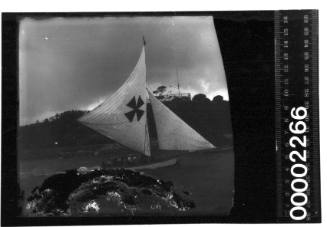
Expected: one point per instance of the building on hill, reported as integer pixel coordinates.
(171, 96)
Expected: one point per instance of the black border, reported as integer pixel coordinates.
(255, 183)
(9, 118)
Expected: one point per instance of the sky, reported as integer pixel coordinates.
(74, 63)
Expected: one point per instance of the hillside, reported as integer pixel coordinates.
(209, 118)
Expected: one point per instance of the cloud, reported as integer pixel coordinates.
(71, 63)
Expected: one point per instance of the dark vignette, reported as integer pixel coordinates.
(246, 41)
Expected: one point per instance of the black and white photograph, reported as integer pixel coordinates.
(135, 108)
(137, 118)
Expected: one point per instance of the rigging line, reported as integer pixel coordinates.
(146, 133)
(145, 137)
(119, 123)
(177, 73)
(176, 65)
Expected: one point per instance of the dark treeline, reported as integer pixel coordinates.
(210, 118)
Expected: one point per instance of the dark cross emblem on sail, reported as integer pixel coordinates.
(135, 106)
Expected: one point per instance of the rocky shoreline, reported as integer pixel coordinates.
(82, 191)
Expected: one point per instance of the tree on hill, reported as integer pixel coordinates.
(218, 99)
(160, 90)
(200, 99)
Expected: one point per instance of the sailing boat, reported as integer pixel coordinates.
(122, 117)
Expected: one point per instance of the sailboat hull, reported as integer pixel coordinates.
(160, 159)
(156, 165)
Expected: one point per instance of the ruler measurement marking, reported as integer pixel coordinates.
(288, 75)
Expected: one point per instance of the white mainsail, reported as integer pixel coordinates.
(173, 132)
(123, 116)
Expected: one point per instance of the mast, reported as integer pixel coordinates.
(173, 132)
(177, 73)
(144, 43)
(147, 145)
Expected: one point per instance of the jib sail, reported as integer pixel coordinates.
(173, 132)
